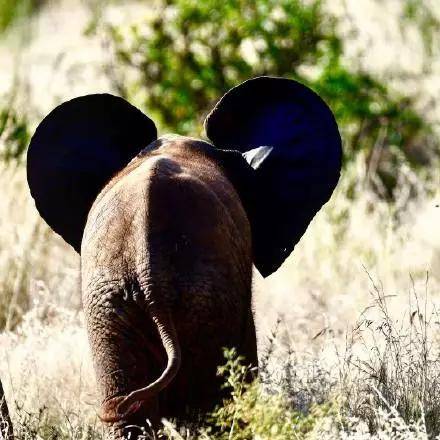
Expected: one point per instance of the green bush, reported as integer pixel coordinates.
(14, 134)
(191, 52)
(251, 413)
(187, 53)
(12, 10)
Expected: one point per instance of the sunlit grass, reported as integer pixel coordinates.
(381, 383)
(32, 258)
(354, 354)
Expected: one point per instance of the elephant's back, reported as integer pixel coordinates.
(176, 206)
(200, 234)
(192, 201)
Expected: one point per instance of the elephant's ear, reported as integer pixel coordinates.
(289, 137)
(75, 151)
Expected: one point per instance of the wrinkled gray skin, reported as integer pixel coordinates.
(166, 279)
(5, 421)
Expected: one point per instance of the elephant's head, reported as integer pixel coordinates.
(276, 140)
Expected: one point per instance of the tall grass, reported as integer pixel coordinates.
(323, 284)
(32, 258)
(340, 373)
(400, 358)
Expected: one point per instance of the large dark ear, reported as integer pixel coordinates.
(75, 151)
(289, 137)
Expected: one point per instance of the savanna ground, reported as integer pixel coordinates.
(348, 328)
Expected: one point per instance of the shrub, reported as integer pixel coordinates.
(187, 53)
(12, 10)
(14, 134)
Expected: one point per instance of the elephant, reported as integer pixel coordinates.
(168, 229)
(5, 421)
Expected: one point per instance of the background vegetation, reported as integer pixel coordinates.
(348, 327)
(188, 53)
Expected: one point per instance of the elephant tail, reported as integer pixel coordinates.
(120, 407)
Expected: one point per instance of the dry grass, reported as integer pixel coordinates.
(324, 285)
(32, 258)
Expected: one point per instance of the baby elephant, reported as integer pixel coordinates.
(168, 230)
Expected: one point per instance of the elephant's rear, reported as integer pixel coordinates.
(200, 250)
(173, 234)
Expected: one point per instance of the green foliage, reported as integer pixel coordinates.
(188, 53)
(14, 134)
(384, 126)
(12, 10)
(250, 413)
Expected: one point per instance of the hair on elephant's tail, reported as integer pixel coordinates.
(118, 408)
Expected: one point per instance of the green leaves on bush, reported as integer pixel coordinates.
(12, 10)
(187, 53)
(250, 413)
(14, 134)
(382, 125)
